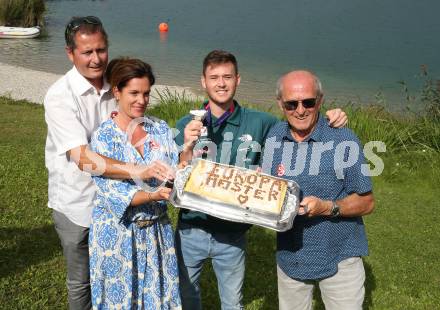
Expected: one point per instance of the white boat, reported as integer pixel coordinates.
(19, 32)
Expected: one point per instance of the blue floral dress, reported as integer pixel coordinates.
(132, 267)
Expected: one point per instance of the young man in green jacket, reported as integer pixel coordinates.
(238, 133)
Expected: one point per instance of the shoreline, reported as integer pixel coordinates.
(22, 83)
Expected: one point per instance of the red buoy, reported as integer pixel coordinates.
(163, 27)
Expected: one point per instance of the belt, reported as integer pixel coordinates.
(163, 219)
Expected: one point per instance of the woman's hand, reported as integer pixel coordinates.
(158, 170)
(142, 197)
(162, 194)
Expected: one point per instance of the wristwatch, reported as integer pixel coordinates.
(335, 211)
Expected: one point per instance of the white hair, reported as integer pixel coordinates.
(279, 89)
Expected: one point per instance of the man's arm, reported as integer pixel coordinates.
(351, 206)
(96, 164)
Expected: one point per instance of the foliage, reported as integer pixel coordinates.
(399, 133)
(404, 236)
(430, 96)
(173, 106)
(22, 13)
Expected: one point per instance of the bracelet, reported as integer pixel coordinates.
(149, 197)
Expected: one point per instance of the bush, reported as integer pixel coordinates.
(172, 106)
(22, 13)
(400, 133)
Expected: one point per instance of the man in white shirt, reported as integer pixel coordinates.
(75, 106)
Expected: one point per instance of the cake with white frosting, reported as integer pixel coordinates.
(236, 186)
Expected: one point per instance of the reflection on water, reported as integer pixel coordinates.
(358, 48)
(34, 53)
(163, 37)
(45, 53)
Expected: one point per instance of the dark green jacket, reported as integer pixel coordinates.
(243, 148)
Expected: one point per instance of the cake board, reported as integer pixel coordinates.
(236, 194)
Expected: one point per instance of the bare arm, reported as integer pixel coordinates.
(356, 205)
(142, 197)
(351, 206)
(97, 164)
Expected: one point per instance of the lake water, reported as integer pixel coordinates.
(358, 48)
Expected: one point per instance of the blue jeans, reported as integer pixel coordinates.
(227, 252)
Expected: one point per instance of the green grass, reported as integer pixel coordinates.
(404, 235)
(399, 133)
(22, 13)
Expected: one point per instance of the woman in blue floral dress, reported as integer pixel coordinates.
(132, 258)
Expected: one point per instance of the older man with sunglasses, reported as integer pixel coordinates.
(328, 236)
(75, 106)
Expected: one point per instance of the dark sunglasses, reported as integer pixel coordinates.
(292, 105)
(78, 21)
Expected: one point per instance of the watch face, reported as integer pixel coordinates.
(335, 210)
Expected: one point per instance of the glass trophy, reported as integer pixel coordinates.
(202, 147)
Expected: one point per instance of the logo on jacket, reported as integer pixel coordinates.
(245, 137)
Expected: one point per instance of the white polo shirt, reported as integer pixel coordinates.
(73, 110)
